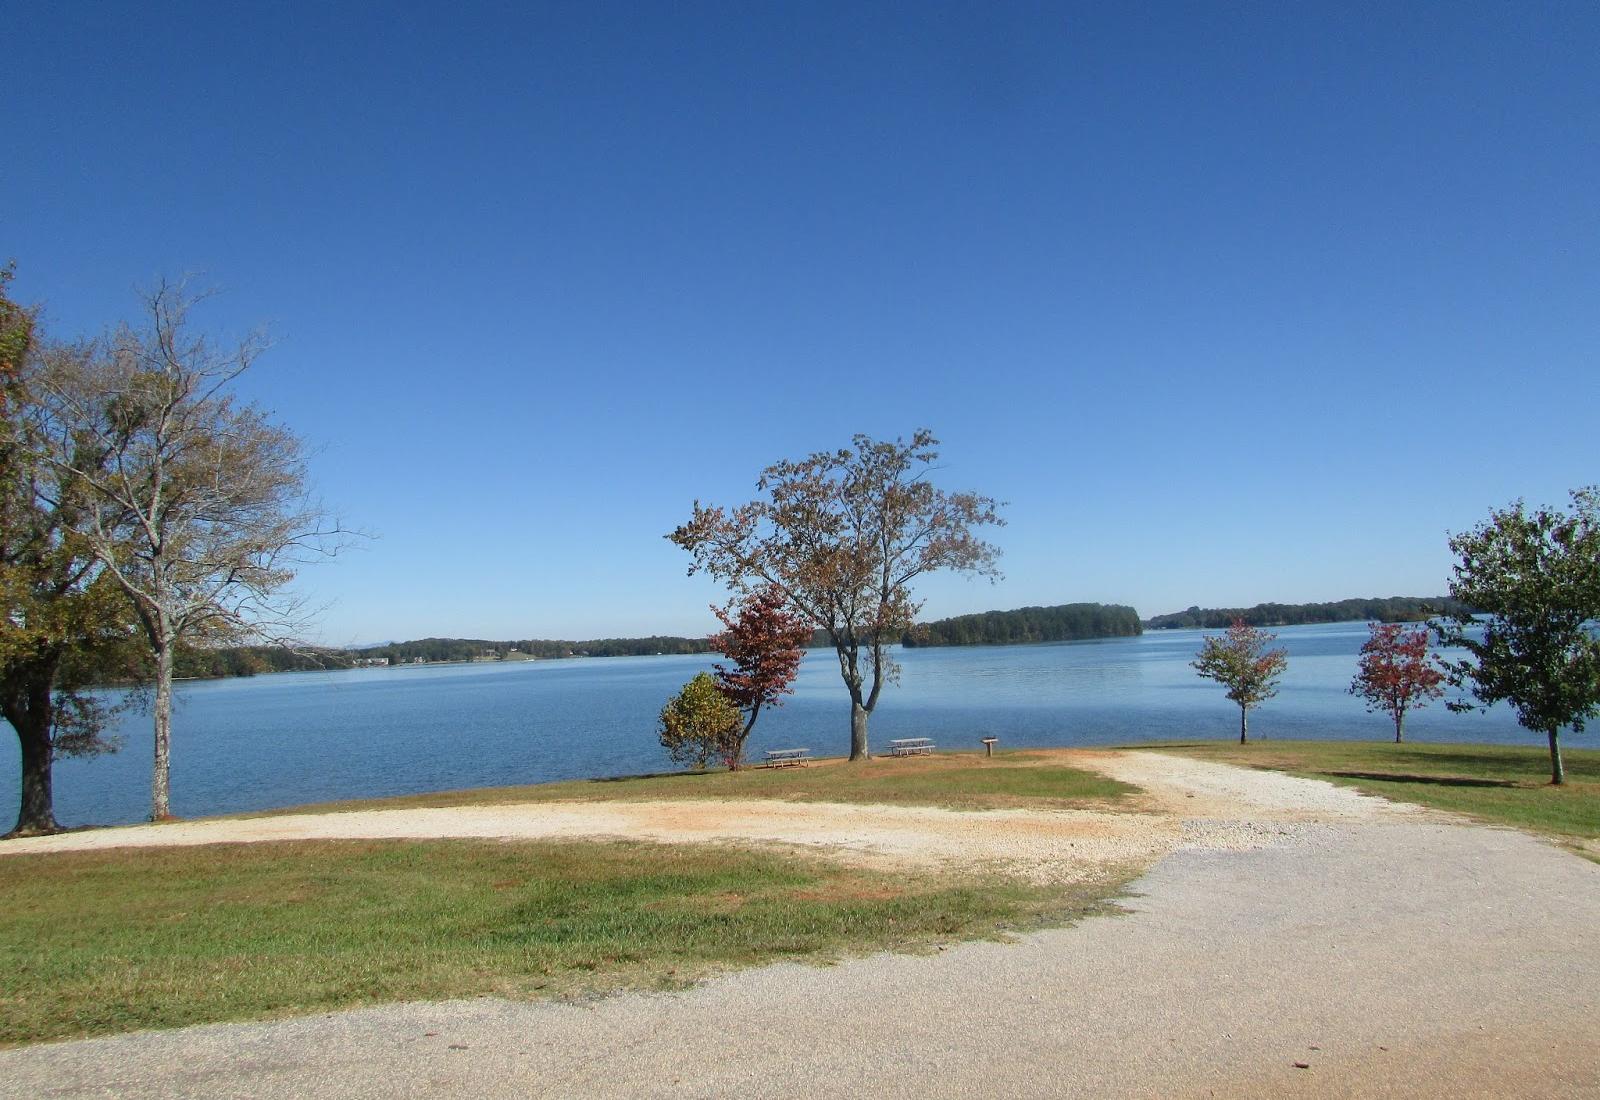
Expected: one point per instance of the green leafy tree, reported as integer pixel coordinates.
(1241, 661)
(1535, 575)
(701, 724)
(842, 535)
(63, 626)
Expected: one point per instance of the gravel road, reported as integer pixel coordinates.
(1390, 953)
(1189, 803)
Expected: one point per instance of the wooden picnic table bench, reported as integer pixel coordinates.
(782, 758)
(911, 746)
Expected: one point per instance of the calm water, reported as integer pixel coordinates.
(308, 737)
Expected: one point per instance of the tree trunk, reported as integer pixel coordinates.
(1558, 773)
(160, 781)
(1244, 725)
(858, 731)
(850, 671)
(31, 713)
(738, 749)
(1399, 728)
(36, 811)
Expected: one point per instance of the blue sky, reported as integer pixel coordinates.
(1230, 303)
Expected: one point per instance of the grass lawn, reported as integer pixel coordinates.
(960, 780)
(1505, 784)
(101, 942)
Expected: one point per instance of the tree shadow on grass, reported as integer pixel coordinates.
(1535, 759)
(1436, 780)
(652, 775)
(1513, 755)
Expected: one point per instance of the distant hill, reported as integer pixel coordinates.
(1387, 609)
(1062, 623)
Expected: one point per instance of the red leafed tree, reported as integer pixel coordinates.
(1396, 674)
(765, 641)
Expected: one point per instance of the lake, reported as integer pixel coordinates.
(277, 740)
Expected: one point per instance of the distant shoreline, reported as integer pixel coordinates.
(708, 653)
(1385, 609)
(1019, 626)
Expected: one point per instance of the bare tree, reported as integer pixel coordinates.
(199, 510)
(842, 534)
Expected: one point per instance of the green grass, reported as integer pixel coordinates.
(967, 781)
(102, 942)
(1504, 784)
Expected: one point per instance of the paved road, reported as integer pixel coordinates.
(1394, 958)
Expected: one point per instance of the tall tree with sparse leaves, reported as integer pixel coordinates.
(1535, 575)
(1395, 674)
(842, 534)
(1242, 661)
(198, 509)
(766, 642)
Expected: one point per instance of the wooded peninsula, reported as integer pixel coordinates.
(1068, 622)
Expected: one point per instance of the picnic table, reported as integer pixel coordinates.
(911, 746)
(783, 758)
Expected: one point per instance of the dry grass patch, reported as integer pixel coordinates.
(101, 942)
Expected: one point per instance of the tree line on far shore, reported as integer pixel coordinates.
(1018, 626)
(1389, 609)
(1022, 626)
(468, 649)
(223, 661)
